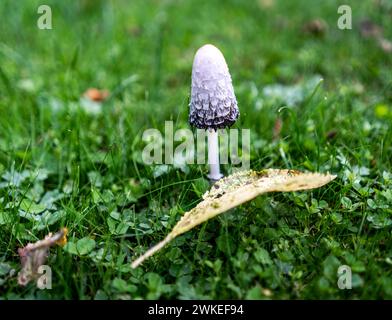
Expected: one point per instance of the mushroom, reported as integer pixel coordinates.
(213, 103)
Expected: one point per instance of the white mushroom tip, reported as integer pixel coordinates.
(208, 47)
(210, 53)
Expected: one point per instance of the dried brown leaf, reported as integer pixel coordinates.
(35, 254)
(385, 45)
(369, 29)
(96, 95)
(316, 27)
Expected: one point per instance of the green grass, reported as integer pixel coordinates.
(86, 171)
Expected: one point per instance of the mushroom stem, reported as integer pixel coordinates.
(213, 155)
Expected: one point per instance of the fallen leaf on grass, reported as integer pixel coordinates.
(96, 95)
(35, 254)
(331, 134)
(385, 45)
(235, 190)
(91, 101)
(369, 29)
(316, 27)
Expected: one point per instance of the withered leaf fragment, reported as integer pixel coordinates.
(96, 94)
(316, 27)
(35, 254)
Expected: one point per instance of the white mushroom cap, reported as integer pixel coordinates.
(213, 103)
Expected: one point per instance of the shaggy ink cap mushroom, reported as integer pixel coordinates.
(213, 103)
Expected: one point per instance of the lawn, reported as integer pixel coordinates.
(66, 161)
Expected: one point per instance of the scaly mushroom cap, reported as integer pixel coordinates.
(213, 103)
